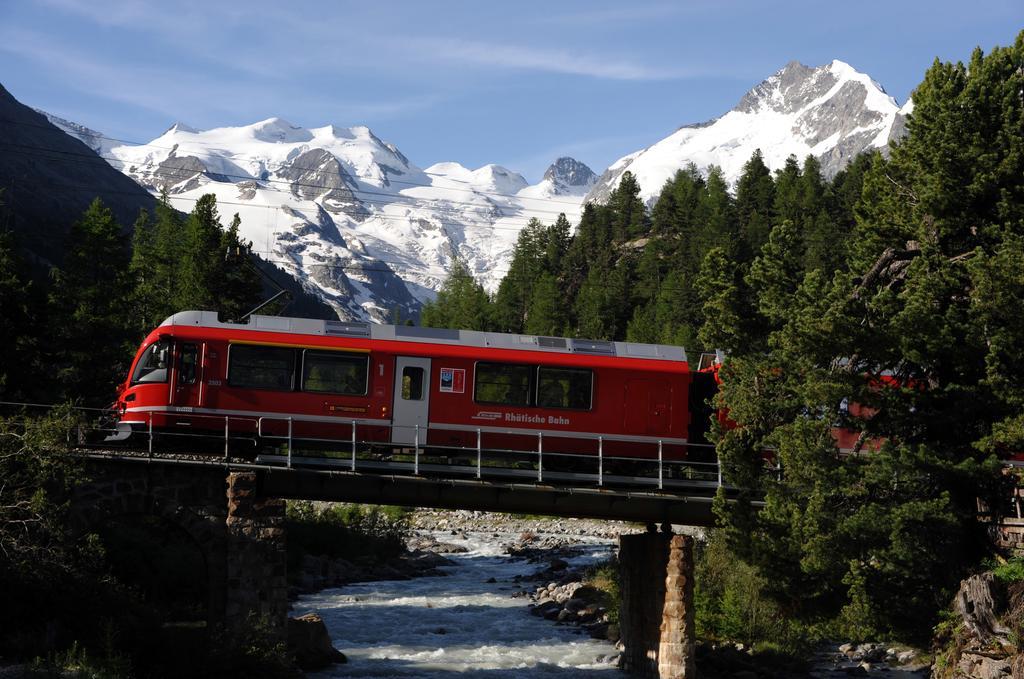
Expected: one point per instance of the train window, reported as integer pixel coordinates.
(502, 383)
(152, 367)
(412, 383)
(334, 372)
(564, 388)
(258, 367)
(187, 361)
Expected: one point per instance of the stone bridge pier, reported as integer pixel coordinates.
(238, 530)
(656, 616)
(235, 518)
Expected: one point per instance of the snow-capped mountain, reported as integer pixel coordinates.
(832, 112)
(374, 235)
(347, 213)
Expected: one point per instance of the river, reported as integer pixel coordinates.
(461, 623)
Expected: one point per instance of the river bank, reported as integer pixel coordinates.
(507, 594)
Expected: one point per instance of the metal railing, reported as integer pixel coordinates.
(546, 462)
(561, 458)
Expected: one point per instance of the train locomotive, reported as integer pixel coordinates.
(272, 379)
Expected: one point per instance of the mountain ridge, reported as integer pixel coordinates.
(348, 214)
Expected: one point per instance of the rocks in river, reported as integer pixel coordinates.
(464, 521)
(310, 643)
(573, 603)
(427, 543)
(868, 659)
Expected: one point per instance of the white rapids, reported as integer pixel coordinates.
(440, 626)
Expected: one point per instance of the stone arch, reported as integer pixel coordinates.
(193, 501)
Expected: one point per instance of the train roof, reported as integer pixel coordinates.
(407, 333)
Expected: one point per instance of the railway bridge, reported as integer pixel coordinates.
(232, 510)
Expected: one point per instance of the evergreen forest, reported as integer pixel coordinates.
(897, 285)
(70, 331)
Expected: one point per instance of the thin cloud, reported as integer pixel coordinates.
(165, 91)
(543, 59)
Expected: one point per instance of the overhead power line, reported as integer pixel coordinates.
(392, 198)
(137, 144)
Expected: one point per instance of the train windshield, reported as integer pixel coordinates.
(152, 366)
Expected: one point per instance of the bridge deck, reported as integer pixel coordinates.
(568, 494)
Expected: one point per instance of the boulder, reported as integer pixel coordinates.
(566, 616)
(546, 608)
(983, 666)
(310, 643)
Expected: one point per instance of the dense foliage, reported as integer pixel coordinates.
(365, 534)
(885, 301)
(128, 599)
(71, 334)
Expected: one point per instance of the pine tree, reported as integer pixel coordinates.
(92, 326)
(529, 259)
(143, 271)
(593, 307)
(240, 286)
(776, 273)
(558, 237)
(201, 258)
(755, 197)
(461, 303)
(824, 241)
(162, 291)
(676, 311)
(720, 304)
(643, 327)
(883, 215)
(788, 199)
(546, 313)
(591, 246)
(719, 225)
(19, 330)
(629, 214)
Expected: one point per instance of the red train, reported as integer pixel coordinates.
(402, 386)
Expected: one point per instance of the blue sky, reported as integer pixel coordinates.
(474, 82)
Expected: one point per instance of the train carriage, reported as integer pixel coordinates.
(403, 387)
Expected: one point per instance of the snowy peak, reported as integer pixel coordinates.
(788, 90)
(279, 130)
(568, 172)
(488, 179)
(796, 87)
(832, 112)
(499, 179)
(180, 127)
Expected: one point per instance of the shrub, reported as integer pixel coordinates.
(353, 532)
(1010, 571)
(605, 578)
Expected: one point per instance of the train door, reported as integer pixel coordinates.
(648, 407)
(187, 374)
(412, 400)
